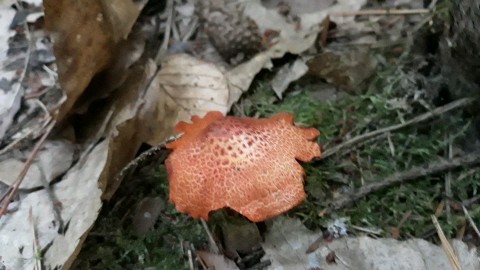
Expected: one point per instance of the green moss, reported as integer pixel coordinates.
(412, 146)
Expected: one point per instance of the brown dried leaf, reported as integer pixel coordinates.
(129, 126)
(85, 39)
(121, 15)
(346, 70)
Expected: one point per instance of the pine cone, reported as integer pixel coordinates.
(231, 32)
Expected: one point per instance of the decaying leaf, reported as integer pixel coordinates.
(287, 241)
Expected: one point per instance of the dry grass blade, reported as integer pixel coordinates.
(448, 179)
(377, 12)
(446, 245)
(470, 220)
(423, 117)
(166, 38)
(36, 250)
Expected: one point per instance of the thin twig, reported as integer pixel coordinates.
(166, 37)
(53, 199)
(405, 176)
(446, 245)
(423, 117)
(16, 141)
(376, 12)
(158, 153)
(25, 169)
(369, 141)
(191, 29)
(190, 259)
(471, 201)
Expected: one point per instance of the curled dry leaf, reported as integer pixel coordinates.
(247, 164)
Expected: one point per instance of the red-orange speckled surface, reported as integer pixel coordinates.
(247, 164)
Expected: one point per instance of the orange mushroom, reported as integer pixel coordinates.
(247, 164)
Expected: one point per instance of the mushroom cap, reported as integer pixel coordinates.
(247, 164)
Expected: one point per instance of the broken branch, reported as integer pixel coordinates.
(405, 176)
(423, 117)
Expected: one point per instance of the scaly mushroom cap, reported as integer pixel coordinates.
(247, 164)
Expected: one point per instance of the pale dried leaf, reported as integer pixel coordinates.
(185, 86)
(299, 6)
(296, 38)
(54, 159)
(217, 261)
(10, 96)
(290, 72)
(79, 192)
(240, 77)
(79, 196)
(288, 239)
(291, 39)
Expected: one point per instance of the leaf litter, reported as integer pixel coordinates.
(114, 93)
